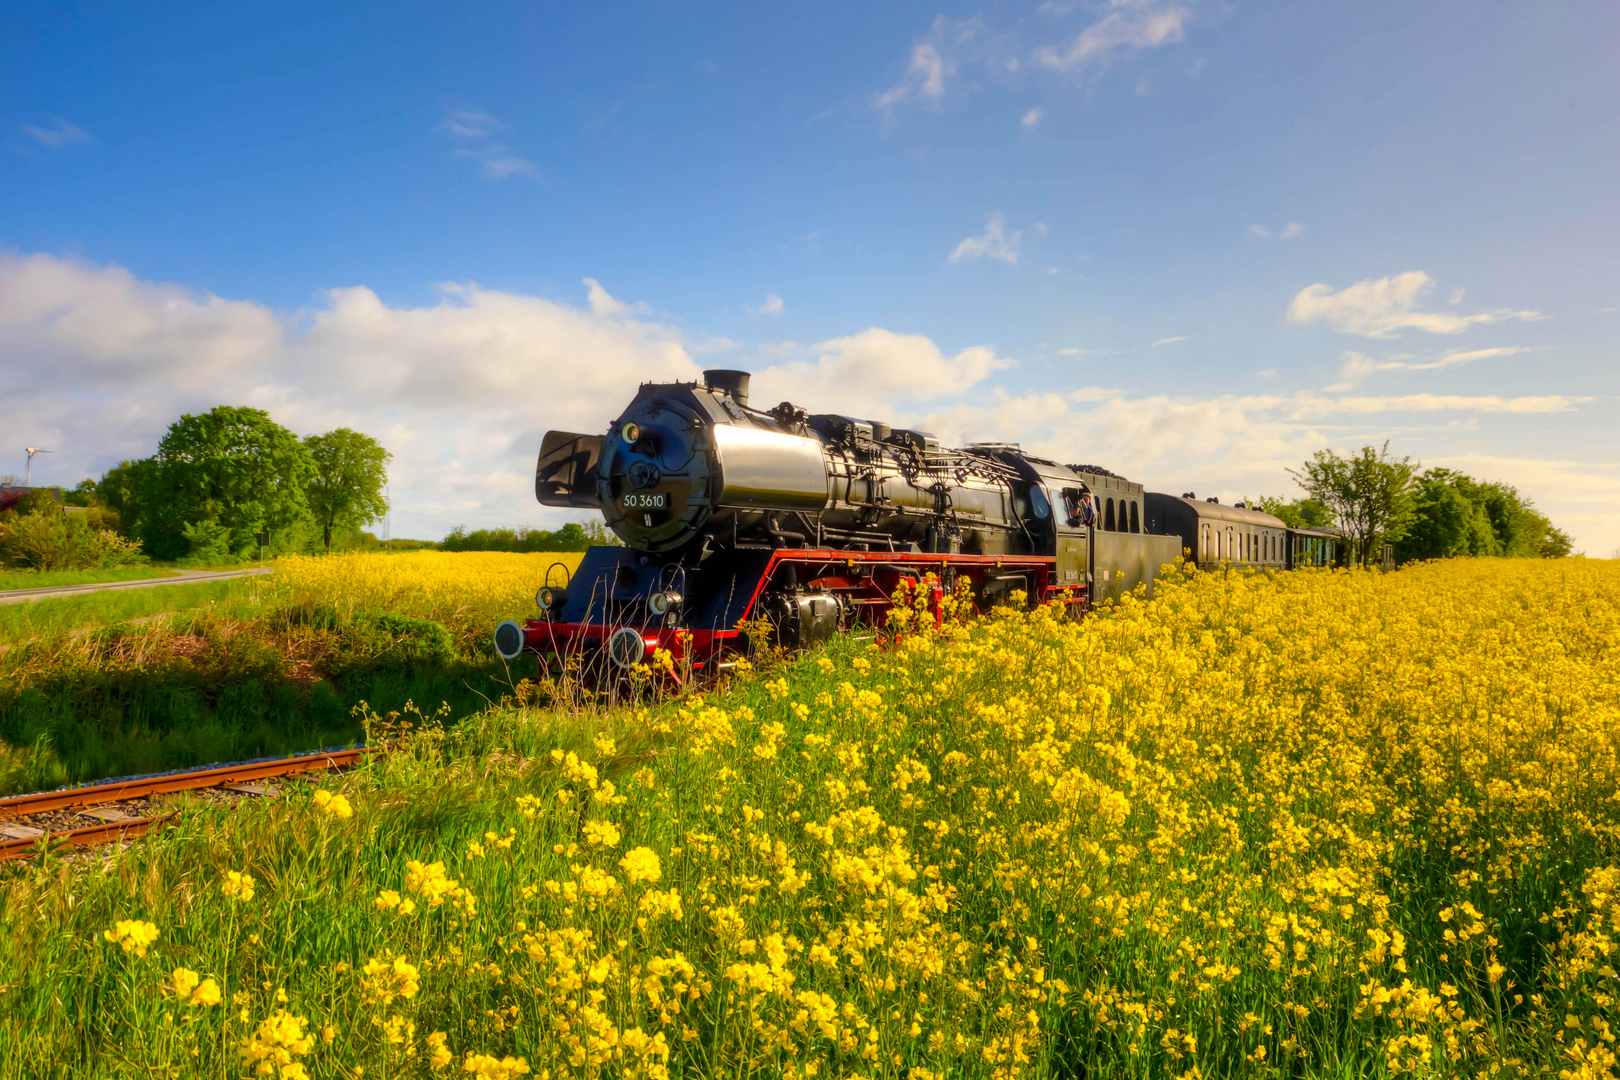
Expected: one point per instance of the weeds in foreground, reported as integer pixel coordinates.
(1237, 831)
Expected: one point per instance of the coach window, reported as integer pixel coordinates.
(1136, 520)
(1108, 517)
(1206, 542)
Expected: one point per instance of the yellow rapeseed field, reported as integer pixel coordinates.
(458, 588)
(1313, 824)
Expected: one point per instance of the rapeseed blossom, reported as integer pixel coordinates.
(237, 886)
(1263, 825)
(335, 805)
(276, 1044)
(133, 935)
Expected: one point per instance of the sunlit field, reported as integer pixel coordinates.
(110, 684)
(471, 591)
(1322, 824)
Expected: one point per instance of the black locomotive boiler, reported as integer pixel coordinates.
(810, 523)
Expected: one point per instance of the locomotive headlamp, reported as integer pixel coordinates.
(630, 433)
(549, 598)
(662, 603)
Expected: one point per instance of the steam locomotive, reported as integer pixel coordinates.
(734, 518)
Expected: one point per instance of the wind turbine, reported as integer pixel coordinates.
(32, 450)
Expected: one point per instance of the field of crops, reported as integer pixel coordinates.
(1324, 824)
(106, 684)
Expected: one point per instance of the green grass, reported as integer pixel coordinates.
(52, 579)
(62, 614)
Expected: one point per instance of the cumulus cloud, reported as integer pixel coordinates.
(60, 134)
(1130, 26)
(1287, 232)
(96, 362)
(1383, 307)
(771, 306)
(878, 367)
(1031, 118)
(995, 243)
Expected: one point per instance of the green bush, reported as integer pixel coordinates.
(48, 538)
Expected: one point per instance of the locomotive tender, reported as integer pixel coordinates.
(809, 523)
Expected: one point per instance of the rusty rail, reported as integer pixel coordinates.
(89, 836)
(23, 806)
(45, 801)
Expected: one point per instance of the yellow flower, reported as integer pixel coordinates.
(601, 833)
(389, 900)
(237, 886)
(335, 805)
(384, 977)
(133, 935)
(641, 864)
(486, 1067)
(185, 981)
(438, 1052)
(274, 1046)
(207, 993)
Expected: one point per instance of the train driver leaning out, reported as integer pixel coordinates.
(1086, 513)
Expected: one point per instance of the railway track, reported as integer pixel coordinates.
(127, 809)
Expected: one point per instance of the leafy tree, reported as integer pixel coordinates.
(1299, 513)
(573, 536)
(346, 491)
(232, 466)
(1458, 515)
(1369, 493)
(123, 491)
(82, 494)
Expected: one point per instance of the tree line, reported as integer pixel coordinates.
(229, 484)
(1374, 498)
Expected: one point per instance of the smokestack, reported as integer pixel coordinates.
(731, 383)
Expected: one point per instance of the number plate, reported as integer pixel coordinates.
(640, 501)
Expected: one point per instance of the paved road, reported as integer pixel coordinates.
(18, 596)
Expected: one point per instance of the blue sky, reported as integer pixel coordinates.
(1190, 241)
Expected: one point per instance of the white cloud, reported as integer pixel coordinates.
(1031, 118)
(996, 243)
(932, 61)
(1171, 340)
(496, 161)
(1357, 367)
(878, 367)
(95, 363)
(1380, 308)
(57, 136)
(1130, 26)
(1287, 232)
(470, 123)
(771, 306)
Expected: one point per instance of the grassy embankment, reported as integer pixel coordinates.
(1327, 824)
(135, 681)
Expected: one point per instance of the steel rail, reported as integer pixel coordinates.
(92, 795)
(107, 833)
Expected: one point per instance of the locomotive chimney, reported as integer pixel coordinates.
(734, 384)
